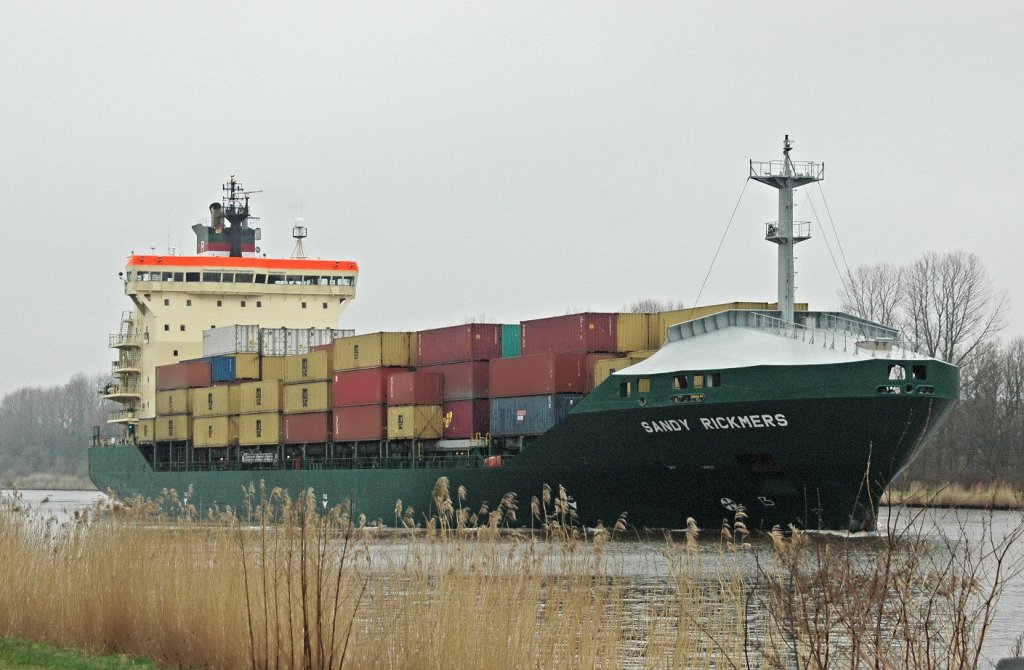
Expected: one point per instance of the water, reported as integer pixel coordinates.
(643, 560)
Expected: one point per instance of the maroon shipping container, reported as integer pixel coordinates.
(415, 388)
(463, 381)
(465, 418)
(469, 342)
(356, 424)
(540, 374)
(191, 374)
(590, 331)
(591, 360)
(361, 387)
(309, 428)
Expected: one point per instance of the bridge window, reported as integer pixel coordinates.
(276, 279)
(261, 279)
(679, 382)
(243, 277)
(920, 372)
(227, 277)
(211, 276)
(191, 276)
(294, 279)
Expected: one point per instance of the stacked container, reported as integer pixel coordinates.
(363, 365)
(214, 415)
(173, 421)
(259, 413)
(414, 406)
(306, 398)
(461, 355)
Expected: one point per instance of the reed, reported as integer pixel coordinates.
(995, 495)
(286, 584)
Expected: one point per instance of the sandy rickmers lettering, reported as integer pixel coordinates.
(717, 423)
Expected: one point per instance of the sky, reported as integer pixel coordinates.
(497, 161)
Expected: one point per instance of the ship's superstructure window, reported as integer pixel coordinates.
(714, 379)
(188, 303)
(227, 277)
(678, 382)
(625, 389)
(698, 381)
(920, 372)
(242, 303)
(259, 303)
(325, 305)
(294, 279)
(191, 276)
(167, 327)
(220, 303)
(276, 279)
(211, 276)
(182, 328)
(643, 385)
(175, 352)
(310, 281)
(243, 277)
(260, 279)
(897, 371)
(303, 305)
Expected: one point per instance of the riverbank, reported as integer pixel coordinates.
(977, 496)
(16, 653)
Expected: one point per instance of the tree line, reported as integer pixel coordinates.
(946, 306)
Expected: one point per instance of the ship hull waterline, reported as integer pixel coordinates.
(824, 469)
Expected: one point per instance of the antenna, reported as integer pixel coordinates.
(299, 233)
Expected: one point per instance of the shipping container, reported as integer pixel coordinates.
(511, 340)
(604, 368)
(539, 374)
(259, 429)
(530, 415)
(311, 397)
(456, 344)
(360, 424)
(190, 374)
(463, 419)
(415, 388)
(247, 366)
(214, 401)
(374, 350)
(415, 422)
(591, 363)
(308, 428)
(660, 321)
(145, 431)
(462, 381)
(173, 402)
(590, 331)
(361, 387)
(174, 428)
(290, 341)
(632, 332)
(222, 368)
(257, 397)
(215, 431)
(272, 368)
(231, 340)
(313, 366)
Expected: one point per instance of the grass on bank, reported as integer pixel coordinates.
(27, 655)
(283, 585)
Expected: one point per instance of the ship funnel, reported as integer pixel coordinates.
(217, 216)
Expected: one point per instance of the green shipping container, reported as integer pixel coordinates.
(511, 340)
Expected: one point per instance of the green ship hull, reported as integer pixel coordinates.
(813, 446)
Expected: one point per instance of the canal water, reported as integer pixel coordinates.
(644, 560)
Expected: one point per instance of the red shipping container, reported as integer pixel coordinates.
(540, 374)
(192, 374)
(456, 344)
(415, 388)
(590, 331)
(308, 428)
(591, 360)
(361, 387)
(355, 424)
(465, 418)
(462, 381)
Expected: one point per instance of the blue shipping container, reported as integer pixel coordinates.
(222, 368)
(530, 415)
(511, 341)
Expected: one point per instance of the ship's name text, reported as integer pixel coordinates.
(717, 423)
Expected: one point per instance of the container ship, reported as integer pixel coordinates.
(231, 371)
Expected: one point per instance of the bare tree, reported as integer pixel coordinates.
(951, 310)
(653, 305)
(874, 292)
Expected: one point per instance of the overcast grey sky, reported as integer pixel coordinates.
(511, 161)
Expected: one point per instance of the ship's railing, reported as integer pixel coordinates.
(362, 463)
(127, 388)
(825, 328)
(801, 230)
(777, 168)
(123, 415)
(125, 340)
(125, 363)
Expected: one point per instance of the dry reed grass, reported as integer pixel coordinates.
(284, 584)
(998, 495)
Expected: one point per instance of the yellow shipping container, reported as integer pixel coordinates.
(214, 400)
(604, 368)
(256, 397)
(145, 431)
(660, 321)
(312, 367)
(631, 332)
(247, 366)
(174, 428)
(259, 429)
(415, 422)
(272, 368)
(312, 397)
(414, 349)
(215, 431)
(373, 350)
(172, 402)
